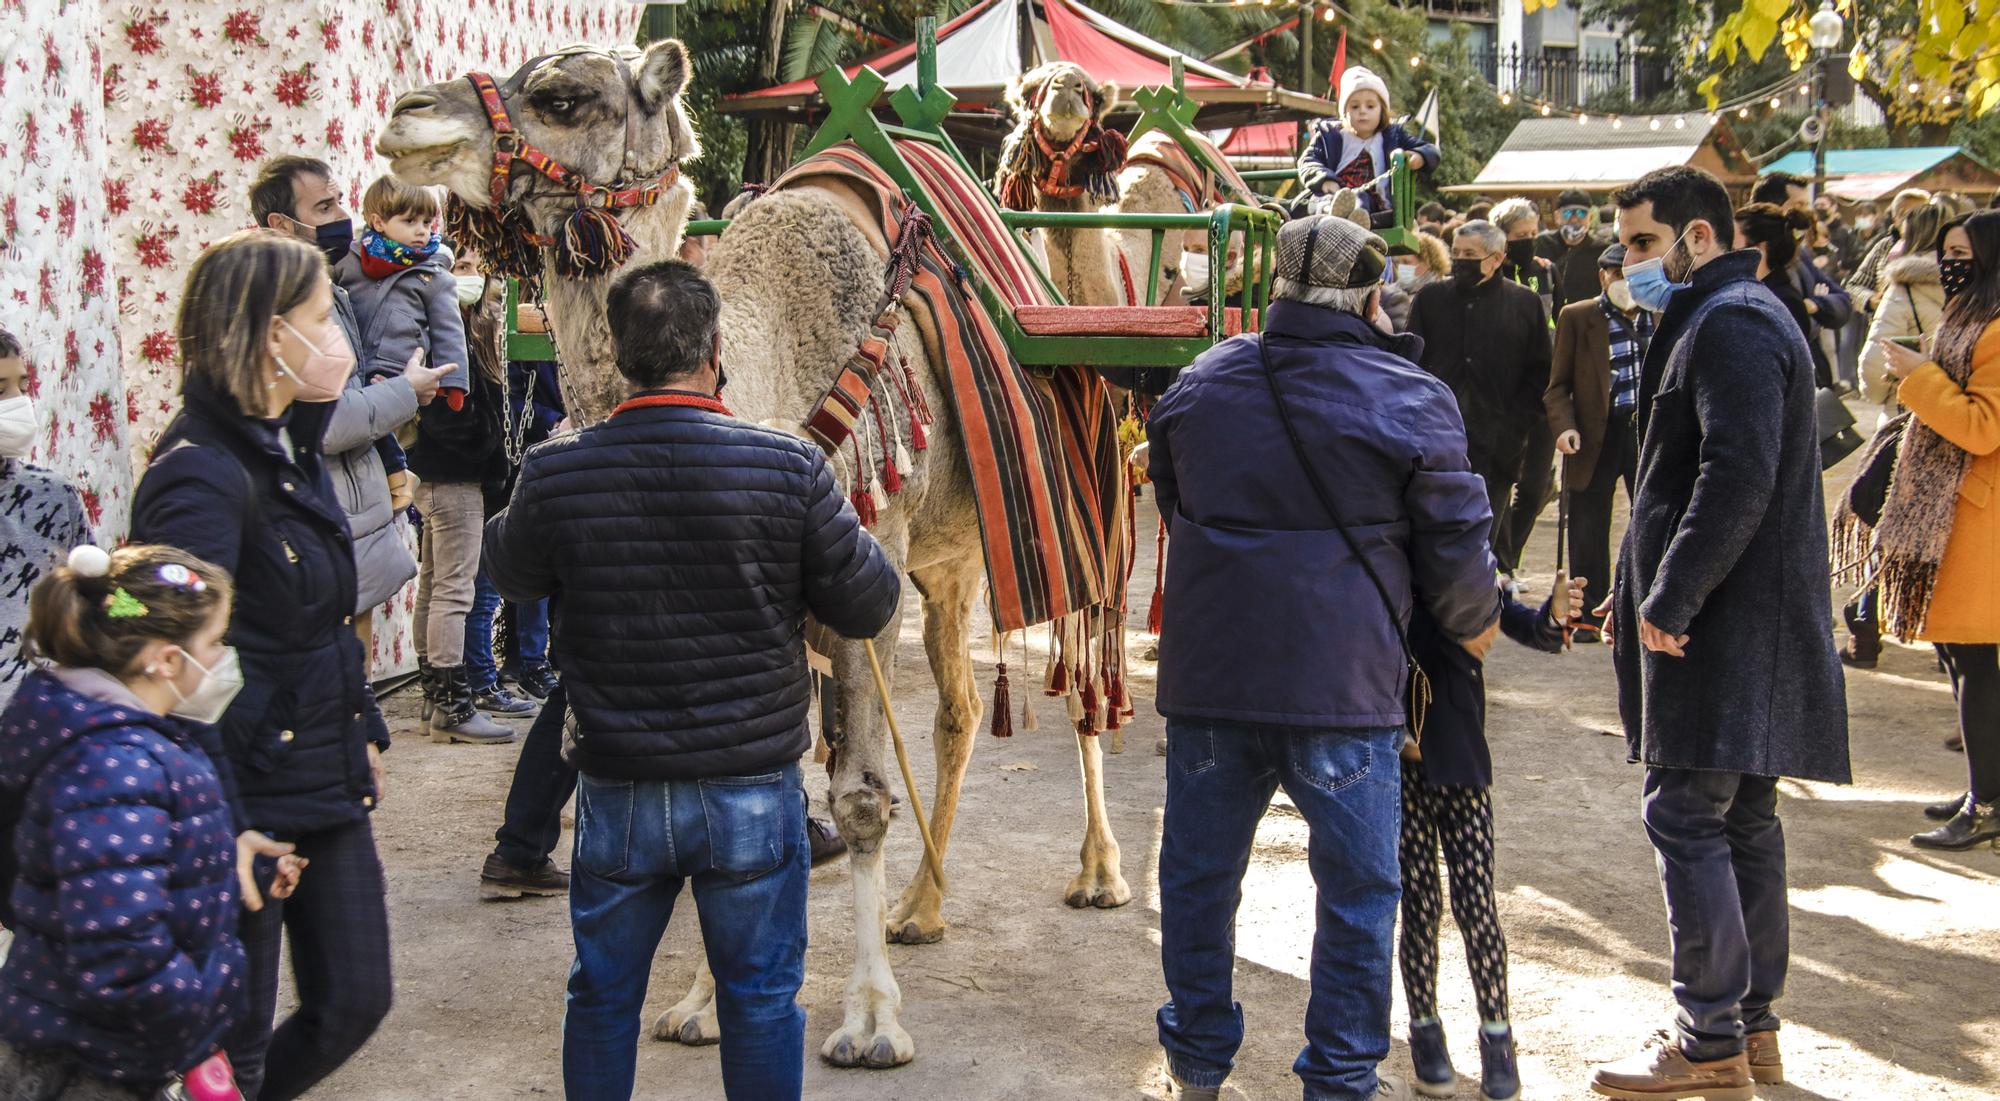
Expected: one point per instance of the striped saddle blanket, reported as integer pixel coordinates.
(1047, 471)
(1201, 190)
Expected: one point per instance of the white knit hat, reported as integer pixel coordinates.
(1360, 78)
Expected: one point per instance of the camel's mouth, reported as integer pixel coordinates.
(428, 163)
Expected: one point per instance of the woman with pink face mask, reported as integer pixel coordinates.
(239, 480)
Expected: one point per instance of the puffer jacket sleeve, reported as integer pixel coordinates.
(850, 585)
(1451, 567)
(193, 498)
(364, 414)
(515, 559)
(113, 836)
(1321, 159)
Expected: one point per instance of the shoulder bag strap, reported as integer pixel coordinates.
(1420, 684)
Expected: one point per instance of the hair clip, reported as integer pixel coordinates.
(180, 577)
(123, 605)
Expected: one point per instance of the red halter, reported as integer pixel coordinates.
(509, 146)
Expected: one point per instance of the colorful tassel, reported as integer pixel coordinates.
(892, 479)
(864, 507)
(1003, 706)
(903, 466)
(592, 242)
(1156, 614)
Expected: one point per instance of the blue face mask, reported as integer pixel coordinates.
(1648, 282)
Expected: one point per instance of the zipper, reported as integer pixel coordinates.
(291, 555)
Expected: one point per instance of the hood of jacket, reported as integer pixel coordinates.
(1913, 270)
(27, 744)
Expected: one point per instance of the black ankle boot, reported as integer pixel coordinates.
(1975, 824)
(1947, 810)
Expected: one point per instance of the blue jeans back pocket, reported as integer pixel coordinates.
(1190, 747)
(753, 822)
(1331, 760)
(603, 826)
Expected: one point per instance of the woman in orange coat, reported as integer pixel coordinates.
(1939, 539)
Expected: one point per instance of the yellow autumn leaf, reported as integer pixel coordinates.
(1706, 89)
(1857, 62)
(1757, 33)
(1950, 16)
(1989, 98)
(1773, 10)
(1988, 67)
(1968, 41)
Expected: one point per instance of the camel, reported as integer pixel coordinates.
(1053, 106)
(800, 272)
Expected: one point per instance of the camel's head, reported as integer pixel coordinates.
(610, 118)
(1060, 150)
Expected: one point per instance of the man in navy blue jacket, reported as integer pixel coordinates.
(685, 548)
(1280, 662)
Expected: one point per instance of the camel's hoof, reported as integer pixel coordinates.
(890, 1047)
(1106, 890)
(914, 931)
(693, 1029)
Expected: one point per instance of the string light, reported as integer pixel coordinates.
(1774, 103)
(1681, 123)
(1617, 123)
(1545, 110)
(1378, 43)
(1805, 89)
(1654, 125)
(1415, 60)
(1582, 118)
(1329, 15)
(1947, 99)
(1915, 87)
(1506, 99)
(1743, 112)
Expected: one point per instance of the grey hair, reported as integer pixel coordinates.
(1486, 233)
(1511, 211)
(1352, 300)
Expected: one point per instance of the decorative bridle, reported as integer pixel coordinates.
(1087, 164)
(591, 241)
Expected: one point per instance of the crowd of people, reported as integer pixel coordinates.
(189, 780)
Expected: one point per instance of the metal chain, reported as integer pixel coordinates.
(516, 438)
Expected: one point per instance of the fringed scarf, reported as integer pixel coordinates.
(382, 257)
(1088, 164)
(1922, 504)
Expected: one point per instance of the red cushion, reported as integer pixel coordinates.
(1168, 321)
(1112, 320)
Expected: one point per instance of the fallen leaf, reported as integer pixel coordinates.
(1021, 766)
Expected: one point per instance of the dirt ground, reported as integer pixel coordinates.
(1894, 969)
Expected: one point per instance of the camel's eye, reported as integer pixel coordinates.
(561, 106)
(560, 103)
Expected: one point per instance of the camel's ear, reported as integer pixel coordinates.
(1107, 98)
(663, 73)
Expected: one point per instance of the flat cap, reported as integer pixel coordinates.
(1321, 250)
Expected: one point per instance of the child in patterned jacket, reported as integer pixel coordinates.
(41, 515)
(126, 971)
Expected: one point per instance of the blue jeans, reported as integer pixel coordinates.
(530, 636)
(742, 840)
(1721, 856)
(480, 671)
(1347, 785)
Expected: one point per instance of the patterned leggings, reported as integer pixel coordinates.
(1462, 818)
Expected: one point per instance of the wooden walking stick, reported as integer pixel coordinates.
(931, 855)
(1562, 536)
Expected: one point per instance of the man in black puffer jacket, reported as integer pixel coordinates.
(685, 549)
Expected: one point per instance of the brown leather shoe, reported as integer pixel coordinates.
(827, 844)
(1767, 1066)
(1661, 1072)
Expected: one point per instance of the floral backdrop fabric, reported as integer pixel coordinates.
(57, 253)
(137, 129)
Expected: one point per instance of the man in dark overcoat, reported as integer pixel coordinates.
(1722, 620)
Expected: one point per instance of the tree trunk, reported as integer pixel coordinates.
(769, 150)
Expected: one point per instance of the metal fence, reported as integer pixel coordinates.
(1563, 78)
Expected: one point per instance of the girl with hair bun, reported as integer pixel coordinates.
(125, 972)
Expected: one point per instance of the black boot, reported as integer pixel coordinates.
(499, 879)
(1947, 810)
(455, 719)
(427, 681)
(1974, 824)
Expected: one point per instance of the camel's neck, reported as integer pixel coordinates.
(591, 384)
(1082, 264)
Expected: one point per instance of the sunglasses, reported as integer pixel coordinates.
(1573, 212)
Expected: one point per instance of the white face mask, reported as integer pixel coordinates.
(18, 425)
(213, 695)
(1194, 269)
(471, 288)
(1620, 296)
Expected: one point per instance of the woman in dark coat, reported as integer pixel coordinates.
(238, 479)
(1774, 232)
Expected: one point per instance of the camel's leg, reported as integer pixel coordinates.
(1099, 883)
(949, 593)
(869, 1034)
(692, 1020)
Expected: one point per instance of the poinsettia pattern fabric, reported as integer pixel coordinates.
(57, 256)
(196, 93)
